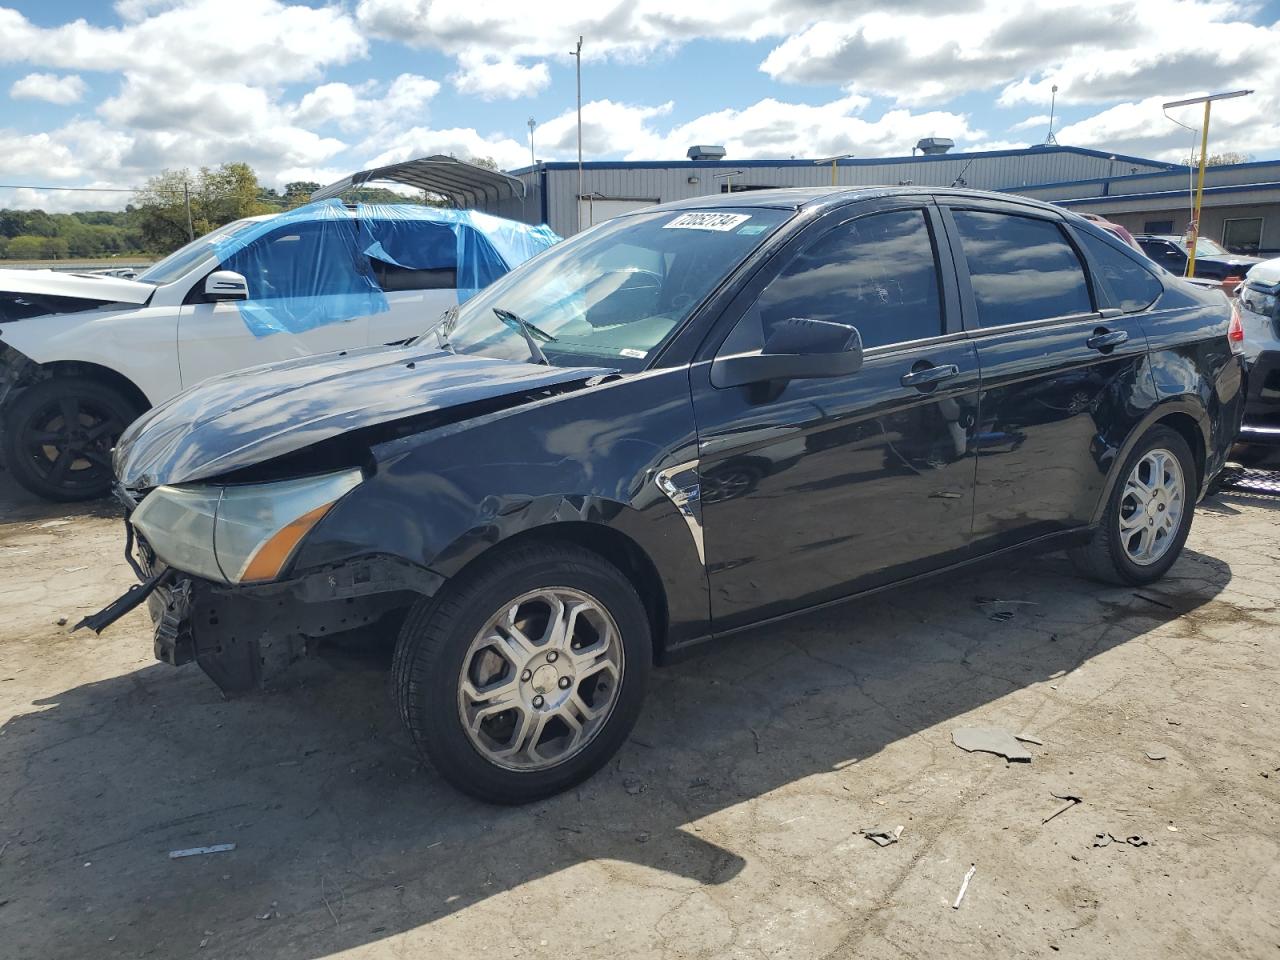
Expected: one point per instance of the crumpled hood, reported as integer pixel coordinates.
(244, 418)
(54, 283)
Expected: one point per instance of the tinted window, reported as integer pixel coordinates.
(1021, 268)
(877, 273)
(301, 260)
(1133, 285)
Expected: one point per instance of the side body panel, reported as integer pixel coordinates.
(140, 343)
(213, 339)
(411, 312)
(593, 457)
(1194, 369)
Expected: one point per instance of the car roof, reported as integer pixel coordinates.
(796, 198)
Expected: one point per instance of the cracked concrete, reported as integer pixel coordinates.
(759, 765)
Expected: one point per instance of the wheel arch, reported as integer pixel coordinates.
(610, 543)
(1182, 414)
(94, 371)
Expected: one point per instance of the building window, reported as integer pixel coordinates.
(1158, 226)
(730, 187)
(1243, 236)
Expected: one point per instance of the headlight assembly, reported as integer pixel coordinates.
(237, 534)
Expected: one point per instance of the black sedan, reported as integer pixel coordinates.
(681, 423)
(1212, 262)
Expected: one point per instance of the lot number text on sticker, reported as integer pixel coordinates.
(724, 222)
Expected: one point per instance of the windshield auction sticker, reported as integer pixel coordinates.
(722, 222)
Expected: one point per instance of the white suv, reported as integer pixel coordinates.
(81, 356)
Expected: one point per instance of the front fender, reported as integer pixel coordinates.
(441, 498)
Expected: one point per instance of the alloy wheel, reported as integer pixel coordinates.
(540, 679)
(1151, 507)
(69, 441)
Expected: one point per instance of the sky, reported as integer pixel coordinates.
(106, 95)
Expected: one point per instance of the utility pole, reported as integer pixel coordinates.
(186, 200)
(578, 53)
(1193, 229)
(533, 159)
(1053, 104)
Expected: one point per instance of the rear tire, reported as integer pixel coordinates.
(505, 706)
(58, 437)
(1138, 541)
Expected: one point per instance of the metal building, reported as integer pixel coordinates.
(611, 187)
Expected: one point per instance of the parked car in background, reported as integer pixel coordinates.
(910, 379)
(1258, 303)
(82, 355)
(1212, 261)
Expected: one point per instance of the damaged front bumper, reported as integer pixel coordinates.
(244, 636)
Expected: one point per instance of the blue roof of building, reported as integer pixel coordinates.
(848, 162)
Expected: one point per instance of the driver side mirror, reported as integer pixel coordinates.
(795, 349)
(225, 285)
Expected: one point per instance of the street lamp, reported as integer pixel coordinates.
(833, 161)
(1193, 232)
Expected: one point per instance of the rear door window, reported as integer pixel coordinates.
(1132, 285)
(878, 272)
(1021, 268)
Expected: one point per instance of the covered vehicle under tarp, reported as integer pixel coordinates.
(326, 262)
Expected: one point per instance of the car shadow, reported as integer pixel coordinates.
(17, 505)
(343, 837)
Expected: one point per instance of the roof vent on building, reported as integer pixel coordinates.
(706, 152)
(932, 146)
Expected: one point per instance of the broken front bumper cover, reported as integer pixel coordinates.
(242, 637)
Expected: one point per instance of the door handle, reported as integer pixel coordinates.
(1106, 339)
(929, 375)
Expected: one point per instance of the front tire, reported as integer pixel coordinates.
(58, 437)
(1148, 514)
(523, 676)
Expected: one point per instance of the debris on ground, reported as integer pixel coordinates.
(883, 836)
(1001, 616)
(1156, 754)
(633, 785)
(1106, 839)
(1028, 738)
(1071, 798)
(273, 912)
(61, 621)
(990, 740)
(964, 885)
(201, 851)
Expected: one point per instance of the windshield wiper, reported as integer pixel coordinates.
(441, 328)
(528, 330)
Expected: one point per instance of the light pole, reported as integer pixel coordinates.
(1193, 231)
(833, 161)
(728, 177)
(1053, 107)
(533, 159)
(577, 52)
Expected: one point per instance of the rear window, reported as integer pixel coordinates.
(19, 306)
(1133, 286)
(1021, 268)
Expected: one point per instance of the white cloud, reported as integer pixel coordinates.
(493, 77)
(49, 87)
(1030, 123)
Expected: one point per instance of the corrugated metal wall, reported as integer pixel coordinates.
(660, 184)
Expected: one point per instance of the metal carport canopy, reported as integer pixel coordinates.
(462, 184)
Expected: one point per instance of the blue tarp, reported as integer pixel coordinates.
(314, 265)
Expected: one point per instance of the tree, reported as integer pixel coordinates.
(298, 192)
(216, 197)
(1221, 159)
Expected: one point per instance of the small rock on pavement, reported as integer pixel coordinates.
(990, 740)
(633, 785)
